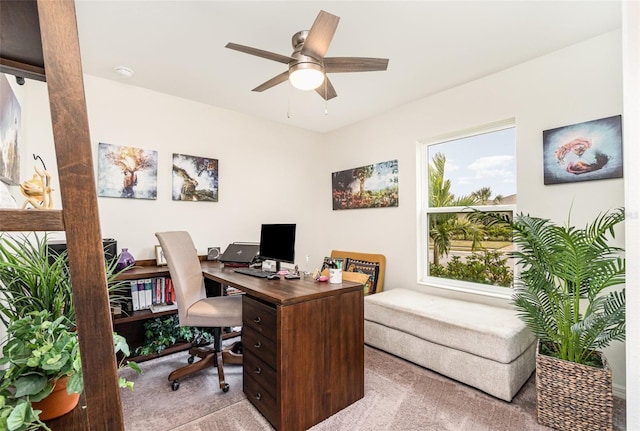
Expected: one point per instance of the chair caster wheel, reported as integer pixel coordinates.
(190, 360)
(175, 385)
(225, 388)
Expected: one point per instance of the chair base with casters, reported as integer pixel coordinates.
(196, 309)
(210, 356)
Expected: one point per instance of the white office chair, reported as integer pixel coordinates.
(195, 309)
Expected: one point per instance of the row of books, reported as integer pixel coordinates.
(149, 292)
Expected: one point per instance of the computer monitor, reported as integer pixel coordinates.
(278, 242)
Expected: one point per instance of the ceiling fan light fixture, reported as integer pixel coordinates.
(306, 76)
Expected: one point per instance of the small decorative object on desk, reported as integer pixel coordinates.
(125, 260)
(335, 271)
(160, 259)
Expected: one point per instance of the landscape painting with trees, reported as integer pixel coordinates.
(371, 186)
(127, 172)
(462, 246)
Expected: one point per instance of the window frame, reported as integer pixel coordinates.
(424, 210)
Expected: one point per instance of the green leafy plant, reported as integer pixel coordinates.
(33, 278)
(486, 267)
(163, 332)
(38, 352)
(562, 291)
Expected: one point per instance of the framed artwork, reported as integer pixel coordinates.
(160, 259)
(371, 186)
(10, 113)
(194, 178)
(582, 152)
(127, 172)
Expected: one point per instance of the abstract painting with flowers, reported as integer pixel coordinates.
(582, 152)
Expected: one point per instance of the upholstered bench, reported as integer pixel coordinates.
(483, 346)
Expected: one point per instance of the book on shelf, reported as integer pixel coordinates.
(141, 297)
(148, 293)
(135, 298)
(158, 308)
(170, 293)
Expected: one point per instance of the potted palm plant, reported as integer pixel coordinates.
(567, 294)
(34, 278)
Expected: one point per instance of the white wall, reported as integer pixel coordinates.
(274, 173)
(631, 84)
(580, 83)
(264, 167)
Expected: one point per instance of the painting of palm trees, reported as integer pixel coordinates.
(370, 186)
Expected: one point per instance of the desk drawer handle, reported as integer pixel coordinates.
(257, 319)
(257, 344)
(258, 396)
(258, 370)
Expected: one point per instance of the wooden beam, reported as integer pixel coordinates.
(14, 220)
(61, 52)
(22, 69)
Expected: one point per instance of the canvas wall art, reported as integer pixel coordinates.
(371, 186)
(582, 152)
(194, 178)
(127, 172)
(9, 133)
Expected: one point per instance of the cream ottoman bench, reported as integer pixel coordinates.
(483, 346)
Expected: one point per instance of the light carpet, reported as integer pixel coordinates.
(398, 396)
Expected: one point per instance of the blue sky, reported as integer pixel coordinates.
(486, 160)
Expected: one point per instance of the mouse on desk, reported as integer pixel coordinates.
(273, 277)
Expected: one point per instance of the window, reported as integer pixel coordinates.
(461, 175)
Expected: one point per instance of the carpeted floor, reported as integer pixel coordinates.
(398, 396)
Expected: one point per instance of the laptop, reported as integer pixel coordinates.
(240, 253)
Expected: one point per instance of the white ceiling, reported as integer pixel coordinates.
(177, 47)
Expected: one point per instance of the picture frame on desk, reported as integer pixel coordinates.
(160, 259)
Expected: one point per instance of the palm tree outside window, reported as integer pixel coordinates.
(463, 173)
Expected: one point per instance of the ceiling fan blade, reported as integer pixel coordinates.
(354, 64)
(320, 35)
(260, 53)
(327, 92)
(278, 79)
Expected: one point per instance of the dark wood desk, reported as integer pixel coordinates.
(303, 346)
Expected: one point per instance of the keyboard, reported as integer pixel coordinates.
(254, 272)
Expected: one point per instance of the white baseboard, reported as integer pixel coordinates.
(620, 391)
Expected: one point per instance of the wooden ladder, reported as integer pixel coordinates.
(39, 40)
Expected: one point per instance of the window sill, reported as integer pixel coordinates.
(470, 288)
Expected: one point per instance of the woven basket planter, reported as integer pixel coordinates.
(573, 397)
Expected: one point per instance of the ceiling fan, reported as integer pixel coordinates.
(307, 65)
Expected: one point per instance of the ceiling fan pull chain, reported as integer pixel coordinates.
(289, 101)
(326, 110)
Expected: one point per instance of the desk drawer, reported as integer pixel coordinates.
(259, 316)
(261, 399)
(256, 369)
(261, 346)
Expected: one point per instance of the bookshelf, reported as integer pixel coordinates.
(130, 324)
